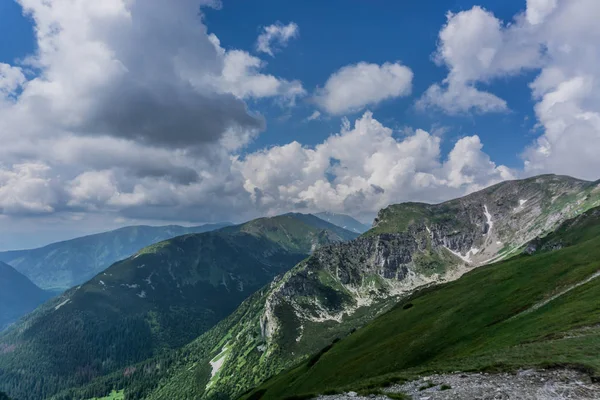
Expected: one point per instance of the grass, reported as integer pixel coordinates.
(474, 324)
(427, 386)
(114, 395)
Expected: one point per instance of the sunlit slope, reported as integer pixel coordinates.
(533, 310)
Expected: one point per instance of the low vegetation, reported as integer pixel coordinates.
(488, 320)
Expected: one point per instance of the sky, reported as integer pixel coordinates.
(126, 112)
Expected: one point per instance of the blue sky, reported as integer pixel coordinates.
(116, 113)
(338, 33)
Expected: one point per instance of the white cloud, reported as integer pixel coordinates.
(276, 36)
(558, 38)
(538, 10)
(240, 76)
(468, 166)
(363, 169)
(567, 91)
(11, 79)
(456, 98)
(108, 127)
(476, 47)
(354, 87)
(314, 116)
(133, 107)
(27, 189)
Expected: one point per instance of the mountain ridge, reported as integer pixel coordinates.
(18, 295)
(68, 263)
(536, 310)
(158, 299)
(342, 286)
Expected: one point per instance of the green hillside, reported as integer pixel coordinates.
(537, 310)
(160, 299)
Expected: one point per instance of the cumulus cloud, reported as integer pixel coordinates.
(178, 89)
(476, 47)
(134, 90)
(538, 10)
(241, 77)
(567, 90)
(556, 38)
(99, 127)
(276, 36)
(354, 87)
(11, 79)
(364, 168)
(28, 189)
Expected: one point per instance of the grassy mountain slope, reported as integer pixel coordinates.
(536, 310)
(18, 295)
(344, 221)
(159, 299)
(343, 286)
(63, 265)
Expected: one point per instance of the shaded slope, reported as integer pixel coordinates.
(63, 265)
(18, 295)
(530, 311)
(161, 298)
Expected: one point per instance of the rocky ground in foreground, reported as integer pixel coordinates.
(523, 385)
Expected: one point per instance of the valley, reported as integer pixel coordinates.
(159, 299)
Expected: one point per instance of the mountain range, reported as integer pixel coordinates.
(63, 265)
(161, 298)
(344, 286)
(278, 306)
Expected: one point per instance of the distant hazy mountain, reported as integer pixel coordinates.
(60, 266)
(344, 221)
(161, 298)
(18, 295)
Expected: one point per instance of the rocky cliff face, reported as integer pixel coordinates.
(343, 285)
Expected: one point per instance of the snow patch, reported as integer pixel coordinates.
(148, 280)
(102, 283)
(488, 216)
(466, 258)
(522, 202)
(62, 304)
(299, 338)
(127, 285)
(217, 363)
(142, 294)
